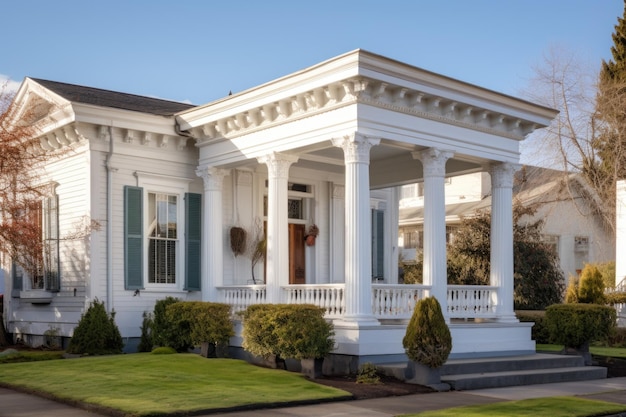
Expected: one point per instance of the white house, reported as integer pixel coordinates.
(327, 145)
(562, 201)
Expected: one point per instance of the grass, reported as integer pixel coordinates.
(30, 356)
(612, 352)
(537, 407)
(142, 384)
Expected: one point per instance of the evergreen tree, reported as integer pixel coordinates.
(96, 333)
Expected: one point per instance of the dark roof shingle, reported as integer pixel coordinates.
(113, 99)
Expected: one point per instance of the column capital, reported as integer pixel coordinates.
(502, 174)
(356, 147)
(433, 161)
(278, 163)
(213, 177)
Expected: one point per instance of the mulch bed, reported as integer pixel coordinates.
(388, 387)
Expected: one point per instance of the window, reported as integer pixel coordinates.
(44, 259)
(162, 238)
(410, 237)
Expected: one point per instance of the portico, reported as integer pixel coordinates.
(347, 131)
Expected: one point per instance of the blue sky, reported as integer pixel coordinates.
(198, 51)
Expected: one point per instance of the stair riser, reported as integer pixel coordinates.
(527, 379)
(506, 366)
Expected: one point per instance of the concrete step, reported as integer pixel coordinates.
(510, 363)
(468, 374)
(527, 377)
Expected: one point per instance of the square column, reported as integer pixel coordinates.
(212, 263)
(435, 270)
(277, 259)
(502, 238)
(358, 230)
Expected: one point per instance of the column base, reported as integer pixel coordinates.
(357, 322)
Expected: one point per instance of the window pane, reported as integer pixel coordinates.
(163, 218)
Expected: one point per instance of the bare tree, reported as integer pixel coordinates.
(570, 143)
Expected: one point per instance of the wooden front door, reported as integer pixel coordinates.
(296, 254)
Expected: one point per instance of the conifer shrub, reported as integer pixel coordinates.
(571, 294)
(297, 331)
(428, 340)
(145, 343)
(577, 325)
(96, 333)
(591, 285)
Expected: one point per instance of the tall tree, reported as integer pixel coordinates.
(610, 111)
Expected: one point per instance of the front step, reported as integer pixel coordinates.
(469, 374)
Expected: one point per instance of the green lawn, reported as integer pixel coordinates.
(538, 407)
(595, 350)
(143, 384)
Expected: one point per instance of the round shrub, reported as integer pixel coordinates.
(539, 332)
(96, 333)
(428, 339)
(169, 330)
(163, 350)
(576, 325)
(297, 331)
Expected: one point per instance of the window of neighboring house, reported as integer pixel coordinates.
(410, 237)
(170, 240)
(162, 238)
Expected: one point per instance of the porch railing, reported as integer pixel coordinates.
(396, 301)
(388, 301)
(472, 301)
(330, 297)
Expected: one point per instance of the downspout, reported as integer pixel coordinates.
(109, 259)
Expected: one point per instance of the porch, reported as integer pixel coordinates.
(472, 313)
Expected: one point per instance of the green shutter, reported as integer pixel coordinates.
(378, 243)
(133, 238)
(193, 239)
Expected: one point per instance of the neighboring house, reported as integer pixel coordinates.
(561, 200)
(328, 146)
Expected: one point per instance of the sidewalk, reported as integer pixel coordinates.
(16, 404)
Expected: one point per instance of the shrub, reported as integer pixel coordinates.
(96, 333)
(297, 331)
(539, 331)
(163, 350)
(202, 322)
(368, 374)
(427, 339)
(615, 298)
(146, 343)
(607, 270)
(165, 332)
(571, 295)
(591, 285)
(576, 325)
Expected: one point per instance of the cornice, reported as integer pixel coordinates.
(484, 117)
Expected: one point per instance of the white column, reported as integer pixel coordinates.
(358, 230)
(502, 237)
(620, 232)
(212, 263)
(277, 259)
(435, 267)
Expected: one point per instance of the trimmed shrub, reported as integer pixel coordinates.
(297, 331)
(591, 285)
(576, 325)
(202, 322)
(539, 331)
(96, 333)
(428, 339)
(615, 298)
(165, 331)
